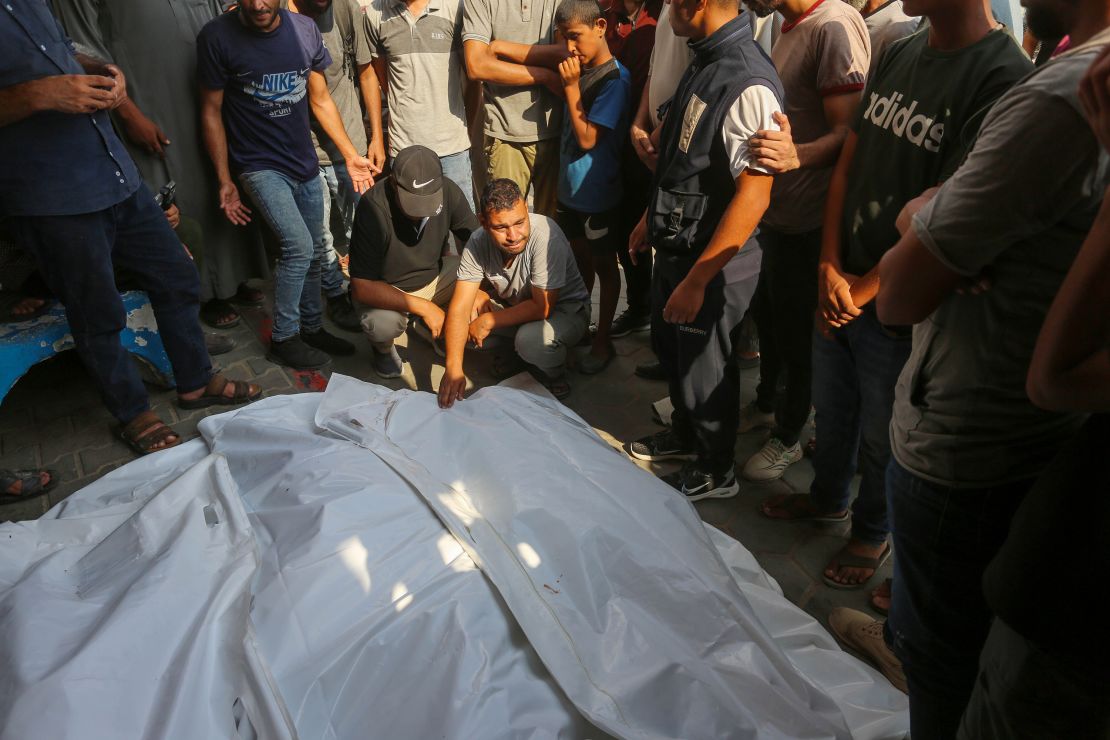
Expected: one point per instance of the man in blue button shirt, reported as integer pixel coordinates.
(72, 197)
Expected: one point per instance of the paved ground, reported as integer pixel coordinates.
(53, 418)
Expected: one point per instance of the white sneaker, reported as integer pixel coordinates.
(752, 418)
(864, 635)
(771, 461)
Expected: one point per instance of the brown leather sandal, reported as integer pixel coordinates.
(143, 433)
(242, 392)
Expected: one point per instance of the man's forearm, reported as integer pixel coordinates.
(327, 115)
(1071, 363)
(380, 294)
(834, 205)
(372, 98)
(215, 142)
(912, 282)
(521, 313)
(536, 55)
(866, 288)
(455, 332)
(583, 131)
(737, 223)
(642, 119)
(823, 151)
(484, 66)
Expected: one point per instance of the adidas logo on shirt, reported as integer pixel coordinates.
(889, 113)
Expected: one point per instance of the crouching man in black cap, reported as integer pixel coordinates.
(401, 268)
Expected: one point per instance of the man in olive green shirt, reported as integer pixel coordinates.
(509, 46)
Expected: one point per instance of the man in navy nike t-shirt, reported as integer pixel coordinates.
(261, 70)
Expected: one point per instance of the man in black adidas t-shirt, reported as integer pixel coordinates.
(400, 268)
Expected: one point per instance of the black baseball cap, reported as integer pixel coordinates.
(418, 178)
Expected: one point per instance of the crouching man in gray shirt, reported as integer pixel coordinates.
(538, 300)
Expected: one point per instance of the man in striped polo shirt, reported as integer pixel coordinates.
(417, 50)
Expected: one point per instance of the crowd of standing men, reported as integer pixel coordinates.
(910, 213)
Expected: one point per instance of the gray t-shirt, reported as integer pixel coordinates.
(546, 262)
(344, 33)
(520, 114)
(961, 414)
(885, 26)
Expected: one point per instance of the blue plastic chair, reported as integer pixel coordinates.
(23, 344)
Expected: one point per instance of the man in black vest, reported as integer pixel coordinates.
(708, 196)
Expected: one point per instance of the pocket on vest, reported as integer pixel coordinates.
(675, 218)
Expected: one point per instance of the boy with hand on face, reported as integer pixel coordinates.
(597, 90)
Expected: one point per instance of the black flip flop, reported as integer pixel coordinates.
(211, 312)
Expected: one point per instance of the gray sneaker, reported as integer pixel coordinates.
(387, 364)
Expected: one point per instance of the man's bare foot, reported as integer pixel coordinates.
(880, 597)
(147, 433)
(227, 392)
(26, 307)
(220, 391)
(855, 564)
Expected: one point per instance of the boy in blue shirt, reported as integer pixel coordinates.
(597, 89)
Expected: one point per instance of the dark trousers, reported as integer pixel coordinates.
(783, 308)
(854, 373)
(939, 619)
(77, 254)
(701, 367)
(1029, 692)
(637, 277)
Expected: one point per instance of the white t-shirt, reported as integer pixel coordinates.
(670, 57)
(751, 112)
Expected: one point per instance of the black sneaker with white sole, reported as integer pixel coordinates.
(629, 323)
(662, 445)
(695, 483)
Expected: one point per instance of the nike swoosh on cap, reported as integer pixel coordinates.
(416, 186)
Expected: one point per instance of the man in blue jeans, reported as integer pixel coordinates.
(72, 197)
(919, 113)
(260, 69)
(342, 27)
(966, 439)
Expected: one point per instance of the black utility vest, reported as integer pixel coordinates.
(693, 181)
